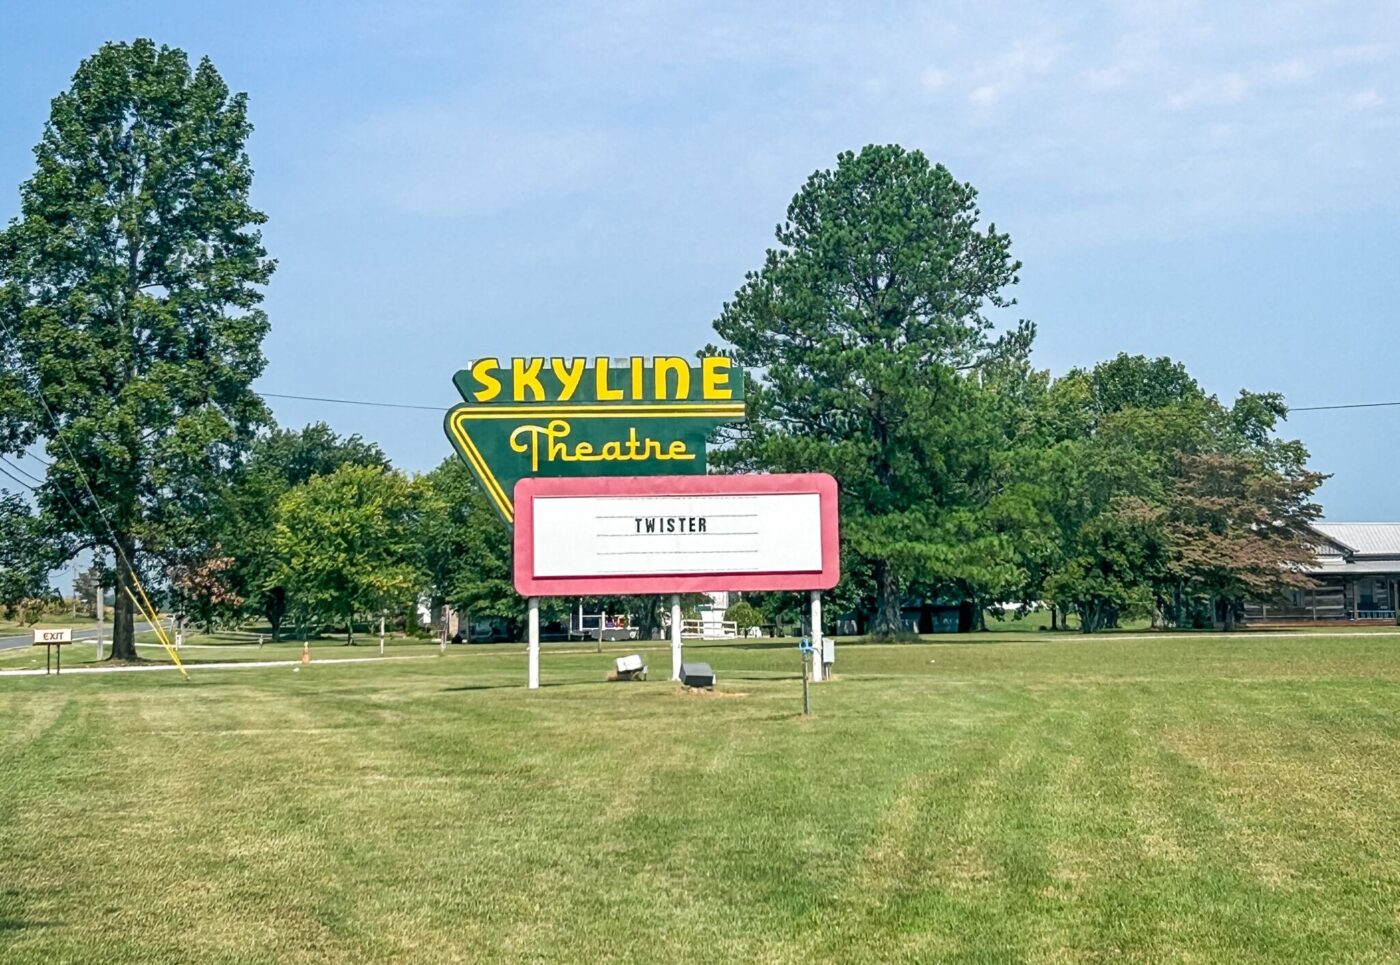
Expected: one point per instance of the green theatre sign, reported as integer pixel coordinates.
(566, 417)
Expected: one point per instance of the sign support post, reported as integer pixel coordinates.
(817, 650)
(807, 652)
(534, 644)
(675, 636)
(49, 640)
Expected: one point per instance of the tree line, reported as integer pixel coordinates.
(875, 332)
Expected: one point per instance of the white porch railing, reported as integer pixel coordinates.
(709, 629)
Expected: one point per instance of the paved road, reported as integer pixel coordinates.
(85, 633)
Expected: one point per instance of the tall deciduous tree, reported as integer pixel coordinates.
(204, 590)
(129, 292)
(280, 460)
(862, 324)
(1238, 528)
(346, 544)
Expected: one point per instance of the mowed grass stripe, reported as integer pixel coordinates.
(1213, 799)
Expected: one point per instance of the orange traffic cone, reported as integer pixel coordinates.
(305, 653)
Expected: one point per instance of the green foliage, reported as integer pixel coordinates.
(862, 323)
(86, 587)
(278, 461)
(1238, 528)
(204, 590)
(26, 558)
(345, 543)
(745, 615)
(465, 551)
(129, 292)
(1126, 472)
(1120, 560)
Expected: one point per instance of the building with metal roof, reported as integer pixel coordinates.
(1357, 577)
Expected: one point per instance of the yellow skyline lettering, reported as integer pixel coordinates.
(670, 363)
(526, 376)
(662, 378)
(600, 375)
(490, 385)
(714, 378)
(550, 442)
(569, 376)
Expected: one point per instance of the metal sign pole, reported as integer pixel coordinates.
(675, 636)
(806, 691)
(534, 643)
(817, 636)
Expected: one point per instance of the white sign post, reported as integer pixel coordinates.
(675, 636)
(534, 644)
(670, 535)
(817, 658)
(592, 536)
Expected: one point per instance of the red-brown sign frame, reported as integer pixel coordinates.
(526, 490)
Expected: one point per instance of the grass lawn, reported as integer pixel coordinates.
(1144, 799)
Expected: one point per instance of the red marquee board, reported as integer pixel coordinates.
(602, 536)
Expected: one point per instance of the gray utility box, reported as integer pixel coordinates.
(697, 675)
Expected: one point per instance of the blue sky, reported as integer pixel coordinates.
(1214, 182)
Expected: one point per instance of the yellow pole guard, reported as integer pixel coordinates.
(155, 622)
(142, 612)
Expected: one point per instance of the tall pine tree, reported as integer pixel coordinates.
(864, 325)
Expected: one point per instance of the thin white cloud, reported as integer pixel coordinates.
(1365, 100)
(1139, 118)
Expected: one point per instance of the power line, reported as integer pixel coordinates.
(1344, 405)
(20, 469)
(16, 479)
(378, 405)
(441, 408)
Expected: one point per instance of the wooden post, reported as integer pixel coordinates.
(534, 643)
